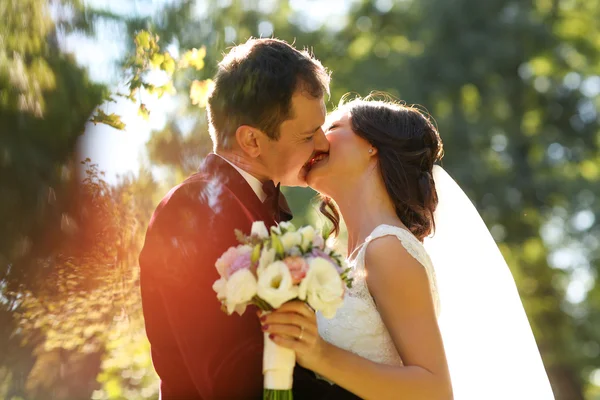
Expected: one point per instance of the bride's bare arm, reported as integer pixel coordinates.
(400, 287)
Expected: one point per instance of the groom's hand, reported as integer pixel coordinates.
(294, 326)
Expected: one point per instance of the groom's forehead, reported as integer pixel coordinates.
(308, 112)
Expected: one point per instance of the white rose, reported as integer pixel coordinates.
(220, 287)
(290, 239)
(259, 229)
(241, 288)
(288, 226)
(267, 256)
(322, 287)
(275, 284)
(283, 226)
(308, 234)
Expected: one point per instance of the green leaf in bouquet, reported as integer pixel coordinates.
(240, 236)
(260, 303)
(277, 245)
(306, 250)
(255, 254)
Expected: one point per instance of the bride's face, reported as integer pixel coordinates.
(348, 159)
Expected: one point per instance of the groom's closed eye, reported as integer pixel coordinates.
(308, 136)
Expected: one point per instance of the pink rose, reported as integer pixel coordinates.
(225, 261)
(298, 268)
(243, 261)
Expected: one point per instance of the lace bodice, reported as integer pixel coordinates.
(357, 325)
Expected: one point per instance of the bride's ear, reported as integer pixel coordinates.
(372, 151)
(247, 138)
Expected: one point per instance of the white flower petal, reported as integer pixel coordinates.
(291, 239)
(322, 287)
(275, 284)
(308, 235)
(267, 256)
(220, 286)
(288, 226)
(241, 288)
(259, 229)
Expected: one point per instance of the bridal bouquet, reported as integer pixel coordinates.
(269, 268)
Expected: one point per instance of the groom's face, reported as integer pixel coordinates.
(301, 139)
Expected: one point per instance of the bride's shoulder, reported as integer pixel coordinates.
(388, 255)
(390, 268)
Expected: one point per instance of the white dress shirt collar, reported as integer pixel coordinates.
(254, 183)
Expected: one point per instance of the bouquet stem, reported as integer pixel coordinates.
(278, 371)
(271, 394)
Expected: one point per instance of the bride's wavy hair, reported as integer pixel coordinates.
(408, 144)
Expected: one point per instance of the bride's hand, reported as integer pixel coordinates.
(294, 325)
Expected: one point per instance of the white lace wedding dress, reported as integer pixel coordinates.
(357, 325)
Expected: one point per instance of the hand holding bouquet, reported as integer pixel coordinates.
(270, 268)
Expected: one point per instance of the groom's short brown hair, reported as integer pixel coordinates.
(254, 85)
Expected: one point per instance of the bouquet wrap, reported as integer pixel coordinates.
(278, 366)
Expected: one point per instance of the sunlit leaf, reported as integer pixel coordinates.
(142, 39)
(144, 112)
(193, 58)
(199, 92)
(112, 119)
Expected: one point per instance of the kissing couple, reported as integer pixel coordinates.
(433, 312)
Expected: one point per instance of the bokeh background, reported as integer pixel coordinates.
(87, 149)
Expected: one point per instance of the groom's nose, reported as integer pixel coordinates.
(321, 142)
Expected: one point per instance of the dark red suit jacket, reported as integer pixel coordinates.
(198, 351)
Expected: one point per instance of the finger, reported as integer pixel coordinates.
(296, 345)
(298, 307)
(292, 331)
(291, 319)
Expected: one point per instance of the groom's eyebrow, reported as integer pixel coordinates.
(313, 131)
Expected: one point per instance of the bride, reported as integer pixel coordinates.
(434, 312)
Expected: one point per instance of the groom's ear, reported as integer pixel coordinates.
(247, 138)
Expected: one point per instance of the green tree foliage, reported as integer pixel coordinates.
(506, 84)
(514, 90)
(45, 101)
(513, 87)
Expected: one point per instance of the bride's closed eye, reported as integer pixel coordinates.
(331, 127)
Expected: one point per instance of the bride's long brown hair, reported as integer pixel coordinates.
(408, 145)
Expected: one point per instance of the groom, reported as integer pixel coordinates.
(265, 117)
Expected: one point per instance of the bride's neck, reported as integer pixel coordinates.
(364, 206)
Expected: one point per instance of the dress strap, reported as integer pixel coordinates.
(357, 248)
(411, 244)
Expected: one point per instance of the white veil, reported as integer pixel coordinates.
(490, 347)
